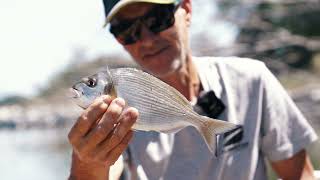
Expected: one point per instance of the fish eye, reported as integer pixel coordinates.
(91, 82)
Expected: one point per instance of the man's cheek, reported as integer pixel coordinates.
(132, 51)
(169, 34)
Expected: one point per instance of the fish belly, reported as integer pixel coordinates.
(164, 127)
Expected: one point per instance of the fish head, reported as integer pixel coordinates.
(84, 92)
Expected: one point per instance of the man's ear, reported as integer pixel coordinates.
(186, 5)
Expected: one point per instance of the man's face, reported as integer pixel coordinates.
(158, 53)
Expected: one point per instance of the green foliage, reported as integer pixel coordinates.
(10, 100)
(303, 22)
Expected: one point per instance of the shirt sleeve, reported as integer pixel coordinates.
(285, 131)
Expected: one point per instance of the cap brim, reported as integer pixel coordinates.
(124, 3)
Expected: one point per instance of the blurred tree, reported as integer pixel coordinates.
(286, 32)
(79, 68)
(10, 100)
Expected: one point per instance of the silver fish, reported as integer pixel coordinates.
(161, 107)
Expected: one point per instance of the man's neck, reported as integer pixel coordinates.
(186, 80)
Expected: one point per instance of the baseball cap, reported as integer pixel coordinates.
(111, 7)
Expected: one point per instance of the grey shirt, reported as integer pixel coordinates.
(273, 128)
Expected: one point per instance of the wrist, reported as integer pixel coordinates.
(83, 170)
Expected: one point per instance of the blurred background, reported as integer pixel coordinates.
(46, 46)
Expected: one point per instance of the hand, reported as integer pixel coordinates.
(103, 131)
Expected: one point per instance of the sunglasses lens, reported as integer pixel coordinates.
(118, 28)
(126, 34)
(132, 37)
(128, 40)
(158, 19)
(162, 19)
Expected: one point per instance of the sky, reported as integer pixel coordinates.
(39, 37)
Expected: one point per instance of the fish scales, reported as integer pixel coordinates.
(151, 86)
(129, 75)
(142, 83)
(160, 103)
(137, 98)
(153, 110)
(170, 110)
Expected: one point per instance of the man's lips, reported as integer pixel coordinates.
(150, 54)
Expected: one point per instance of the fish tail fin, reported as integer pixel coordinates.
(211, 128)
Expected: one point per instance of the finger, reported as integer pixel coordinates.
(106, 124)
(88, 118)
(111, 157)
(125, 124)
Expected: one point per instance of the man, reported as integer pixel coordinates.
(155, 33)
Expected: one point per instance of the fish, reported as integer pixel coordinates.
(161, 107)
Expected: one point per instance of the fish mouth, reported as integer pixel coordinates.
(73, 93)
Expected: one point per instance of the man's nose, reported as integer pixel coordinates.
(147, 37)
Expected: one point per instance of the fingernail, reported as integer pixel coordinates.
(120, 102)
(132, 114)
(105, 98)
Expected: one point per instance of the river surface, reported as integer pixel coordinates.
(34, 154)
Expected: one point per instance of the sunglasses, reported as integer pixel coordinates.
(158, 19)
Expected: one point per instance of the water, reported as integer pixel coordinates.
(34, 154)
(37, 154)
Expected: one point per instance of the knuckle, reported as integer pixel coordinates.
(107, 123)
(95, 109)
(112, 162)
(97, 102)
(109, 162)
(132, 120)
(83, 117)
(72, 139)
(101, 157)
(101, 131)
(116, 138)
(102, 107)
(83, 121)
(84, 158)
(83, 149)
(111, 159)
(123, 145)
(114, 114)
(96, 159)
(105, 146)
(92, 156)
(115, 156)
(127, 122)
(127, 138)
(120, 102)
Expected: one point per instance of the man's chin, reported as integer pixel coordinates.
(162, 75)
(166, 72)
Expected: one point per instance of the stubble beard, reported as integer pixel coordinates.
(176, 67)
